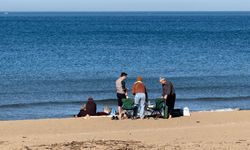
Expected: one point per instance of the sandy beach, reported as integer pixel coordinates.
(203, 130)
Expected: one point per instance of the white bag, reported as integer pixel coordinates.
(186, 111)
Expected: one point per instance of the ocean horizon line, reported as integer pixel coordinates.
(50, 78)
(133, 11)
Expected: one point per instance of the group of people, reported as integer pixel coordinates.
(139, 91)
(140, 94)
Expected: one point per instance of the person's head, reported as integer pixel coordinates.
(139, 78)
(90, 99)
(163, 80)
(123, 75)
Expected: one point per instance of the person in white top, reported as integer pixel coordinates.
(121, 91)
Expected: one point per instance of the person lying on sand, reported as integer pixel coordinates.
(106, 111)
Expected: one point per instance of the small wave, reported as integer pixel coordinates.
(215, 98)
(222, 110)
(24, 105)
(113, 101)
(58, 92)
(222, 98)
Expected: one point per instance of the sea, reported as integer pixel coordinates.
(51, 62)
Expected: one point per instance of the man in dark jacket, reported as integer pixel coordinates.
(168, 94)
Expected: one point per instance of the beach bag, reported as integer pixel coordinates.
(186, 111)
(177, 113)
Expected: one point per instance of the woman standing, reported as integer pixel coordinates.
(139, 90)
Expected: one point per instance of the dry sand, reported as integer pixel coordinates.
(206, 130)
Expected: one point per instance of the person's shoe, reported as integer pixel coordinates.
(170, 116)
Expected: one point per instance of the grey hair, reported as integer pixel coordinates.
(162, 78)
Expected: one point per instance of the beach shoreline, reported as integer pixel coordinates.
(203, 130)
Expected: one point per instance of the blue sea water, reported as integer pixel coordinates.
(51, 62)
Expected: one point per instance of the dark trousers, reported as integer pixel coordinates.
(82, 113)
(170, 103)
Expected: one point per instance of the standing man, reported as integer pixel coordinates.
(168, 94)
(121, 90)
